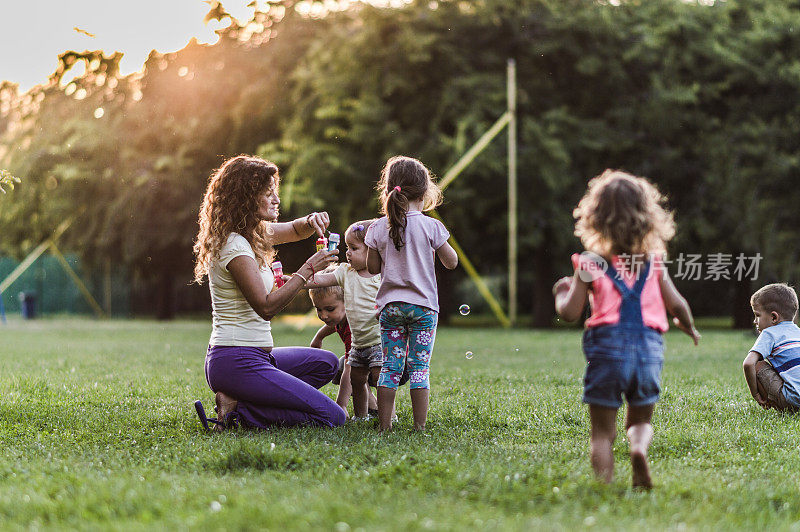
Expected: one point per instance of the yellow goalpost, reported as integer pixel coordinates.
(507, 120)
(50, 244)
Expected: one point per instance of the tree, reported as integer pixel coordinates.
(698, 98)
(130, 156)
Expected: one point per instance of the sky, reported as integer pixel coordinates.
(37, 31)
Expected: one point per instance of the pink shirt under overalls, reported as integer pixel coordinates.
(605, 299)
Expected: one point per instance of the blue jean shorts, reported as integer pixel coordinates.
(622, 361)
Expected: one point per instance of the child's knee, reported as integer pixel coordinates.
(600, 438)
(419, 378)
(419, 362)
(761, 364)
(358, 374)
(389, 376)
(374, 374)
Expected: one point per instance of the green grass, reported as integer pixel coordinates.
(98, 432)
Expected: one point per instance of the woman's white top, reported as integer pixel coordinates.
(235, 321)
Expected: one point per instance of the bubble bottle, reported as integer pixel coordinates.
(322, 243)
(277, 271)
(333, 242)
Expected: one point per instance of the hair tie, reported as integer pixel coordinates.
(397, 189)
(358, 227)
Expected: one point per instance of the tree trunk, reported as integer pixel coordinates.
(165, 298)
(741, 311)
(543, 307)
(445, 280)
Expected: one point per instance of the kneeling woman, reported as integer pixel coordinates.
(258, 385)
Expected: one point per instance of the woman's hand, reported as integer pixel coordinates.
(300, 228)
(319, 222)
(318, 262)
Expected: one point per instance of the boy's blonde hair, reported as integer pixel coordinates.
(324, 291)
(623, 214)
(776, 297)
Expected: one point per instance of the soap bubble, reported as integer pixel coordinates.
(469, 355)
(464, 310)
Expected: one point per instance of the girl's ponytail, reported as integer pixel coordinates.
(396, 208)
(402, 181)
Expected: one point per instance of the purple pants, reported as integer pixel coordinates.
(277, 388)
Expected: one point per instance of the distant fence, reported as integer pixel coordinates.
(56, 293)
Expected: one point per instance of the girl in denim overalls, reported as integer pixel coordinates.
(624, 227)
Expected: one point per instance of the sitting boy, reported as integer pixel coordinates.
(772, 367)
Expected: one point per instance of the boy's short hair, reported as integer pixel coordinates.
(324, 291)
(776, 297)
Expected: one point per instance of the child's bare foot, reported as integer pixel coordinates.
(641, 471)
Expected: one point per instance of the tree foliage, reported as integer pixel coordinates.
(8, 180)
(129, 156)
(699, 98)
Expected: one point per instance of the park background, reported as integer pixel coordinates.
(97, 418)
(700, 97)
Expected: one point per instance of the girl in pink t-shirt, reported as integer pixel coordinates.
(624, 227)
(401, 247)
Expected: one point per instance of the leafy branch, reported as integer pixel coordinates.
(8, 180)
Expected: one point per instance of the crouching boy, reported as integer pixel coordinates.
(772, 367)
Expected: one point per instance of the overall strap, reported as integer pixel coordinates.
(630, 311)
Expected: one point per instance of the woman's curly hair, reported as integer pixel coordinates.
(623, 214)
(231, 205)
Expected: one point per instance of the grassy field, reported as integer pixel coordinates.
(98, 431)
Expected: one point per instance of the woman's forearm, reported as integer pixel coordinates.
(277, 300)
(293, 231)
(302, 227)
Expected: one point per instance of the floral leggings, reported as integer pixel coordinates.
(407, 331)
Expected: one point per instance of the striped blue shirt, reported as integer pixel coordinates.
(780, 346)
